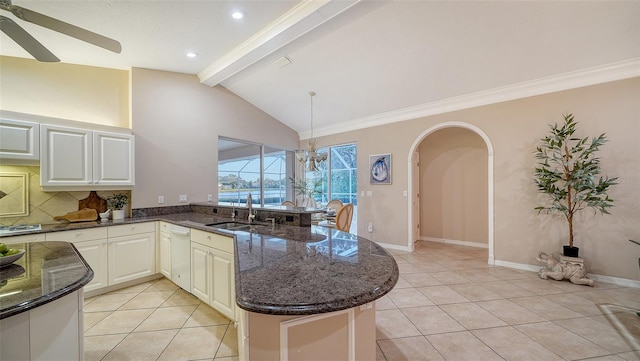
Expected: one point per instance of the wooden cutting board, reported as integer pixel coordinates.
(83, 215)
(93, 201)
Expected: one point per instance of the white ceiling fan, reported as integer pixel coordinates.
(33, 46)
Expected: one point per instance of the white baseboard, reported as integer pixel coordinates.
(394, 246)
(453, 241)
(615, 280)
(598, 278)
(520, 266)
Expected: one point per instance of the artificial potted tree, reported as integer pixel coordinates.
(116, 203)
(568, 171)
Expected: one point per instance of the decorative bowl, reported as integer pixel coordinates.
(7, 260)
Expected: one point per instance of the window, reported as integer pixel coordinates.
(338, 176)
(245, 167)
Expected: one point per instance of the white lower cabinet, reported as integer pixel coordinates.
(165, 254)
(212, 271)
(223, 296)
(133, 255)
(95, 253)
(92, 245)
(201, 285)
(116, 254)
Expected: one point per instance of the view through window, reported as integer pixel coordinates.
(337, 177)
(245, 167)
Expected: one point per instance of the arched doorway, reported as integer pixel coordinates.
(414, 182)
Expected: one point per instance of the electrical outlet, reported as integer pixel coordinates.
(370, 227)
(160, 199)
(210, 197)
(183, 198)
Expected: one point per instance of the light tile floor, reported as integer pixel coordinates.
(448, 305)
(156, 321)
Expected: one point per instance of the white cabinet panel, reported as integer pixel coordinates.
(19, 140)
(165, 254)
(54, 330)
(131, 257)
(223, 296)
(67, 156)
(201, 282)
(113, 160)
(95, 253)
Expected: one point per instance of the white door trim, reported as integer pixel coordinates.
(411, 169)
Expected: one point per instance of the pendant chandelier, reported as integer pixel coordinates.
(311, 157)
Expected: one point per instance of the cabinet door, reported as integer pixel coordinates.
(201, 283)
(223, 297)
(165, 254)
(131, 257)
(67, 156)
(19, 140)
(95, 253)
(113, 159)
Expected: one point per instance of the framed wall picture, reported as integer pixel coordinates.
(14, 194)
(380, 169)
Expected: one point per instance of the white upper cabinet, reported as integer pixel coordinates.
(19, 140)
(82, 158)
(113, 160)
(67, 156)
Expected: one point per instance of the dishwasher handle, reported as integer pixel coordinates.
(179, 230)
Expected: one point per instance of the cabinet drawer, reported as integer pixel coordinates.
(78, 235)
(213, 240)
(133, 228)
(27, 238)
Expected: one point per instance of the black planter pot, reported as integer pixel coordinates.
(570, 251)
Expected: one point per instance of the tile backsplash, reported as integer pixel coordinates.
(43, 206)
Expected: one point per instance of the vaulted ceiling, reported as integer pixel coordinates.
(369, 62)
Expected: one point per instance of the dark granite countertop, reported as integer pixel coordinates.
(329, 271)
(288, 270)
(46, 272)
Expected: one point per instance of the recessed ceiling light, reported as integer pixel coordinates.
(237, 15)
(192, 55)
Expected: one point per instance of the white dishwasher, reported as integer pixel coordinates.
(181, 256)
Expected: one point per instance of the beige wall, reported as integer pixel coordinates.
(177, 122)
(513, 129)
(58, 90)
(453, 186)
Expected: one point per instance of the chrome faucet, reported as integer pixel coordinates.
(250, 206)
(233, 211)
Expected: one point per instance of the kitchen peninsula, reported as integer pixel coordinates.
(41, 301)
(299, 291)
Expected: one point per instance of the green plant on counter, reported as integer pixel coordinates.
(568, 172)
(117, 201)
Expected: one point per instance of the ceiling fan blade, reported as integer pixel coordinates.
(26, 41)
(66, 28)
